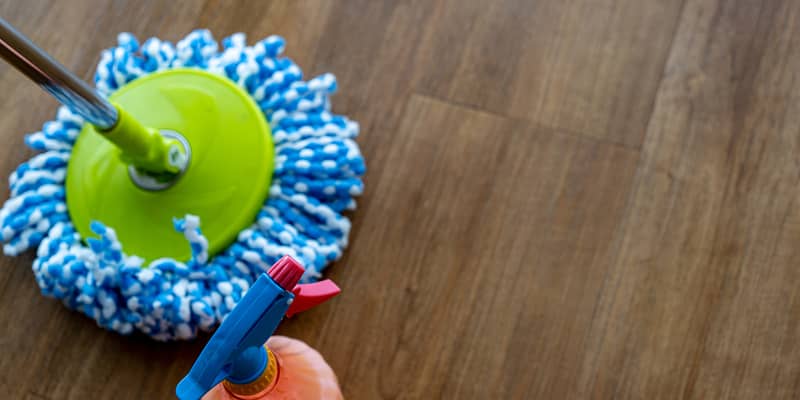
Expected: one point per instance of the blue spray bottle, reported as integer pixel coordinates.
(237, 364)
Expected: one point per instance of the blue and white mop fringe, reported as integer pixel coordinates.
(318, 169)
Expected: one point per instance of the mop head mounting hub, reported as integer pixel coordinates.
(316, 173)
(180, 155)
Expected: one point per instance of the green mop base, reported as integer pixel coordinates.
(225, 183)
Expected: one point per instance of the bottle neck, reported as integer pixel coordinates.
(261, 385)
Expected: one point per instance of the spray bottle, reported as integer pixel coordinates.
(238, 364)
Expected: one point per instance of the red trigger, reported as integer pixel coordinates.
(311, 294)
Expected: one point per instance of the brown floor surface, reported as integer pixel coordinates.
(565, 199)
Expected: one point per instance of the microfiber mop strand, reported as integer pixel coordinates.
(318, 169)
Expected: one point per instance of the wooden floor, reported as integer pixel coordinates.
(565, 199)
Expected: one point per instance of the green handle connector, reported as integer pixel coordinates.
(145, 148)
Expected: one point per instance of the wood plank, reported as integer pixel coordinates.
(487, 240)
(589, 67)
(702, 299)
(371, 46)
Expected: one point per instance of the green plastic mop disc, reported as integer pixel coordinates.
(225, 182)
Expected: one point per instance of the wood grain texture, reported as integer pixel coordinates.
(565, 199)
(702, 298)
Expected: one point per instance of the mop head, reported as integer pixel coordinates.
(318, 169)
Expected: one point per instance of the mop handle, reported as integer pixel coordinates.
(48, 73)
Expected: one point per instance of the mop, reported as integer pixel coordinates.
(231, 139)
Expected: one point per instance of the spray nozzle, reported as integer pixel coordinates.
(236, 350)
